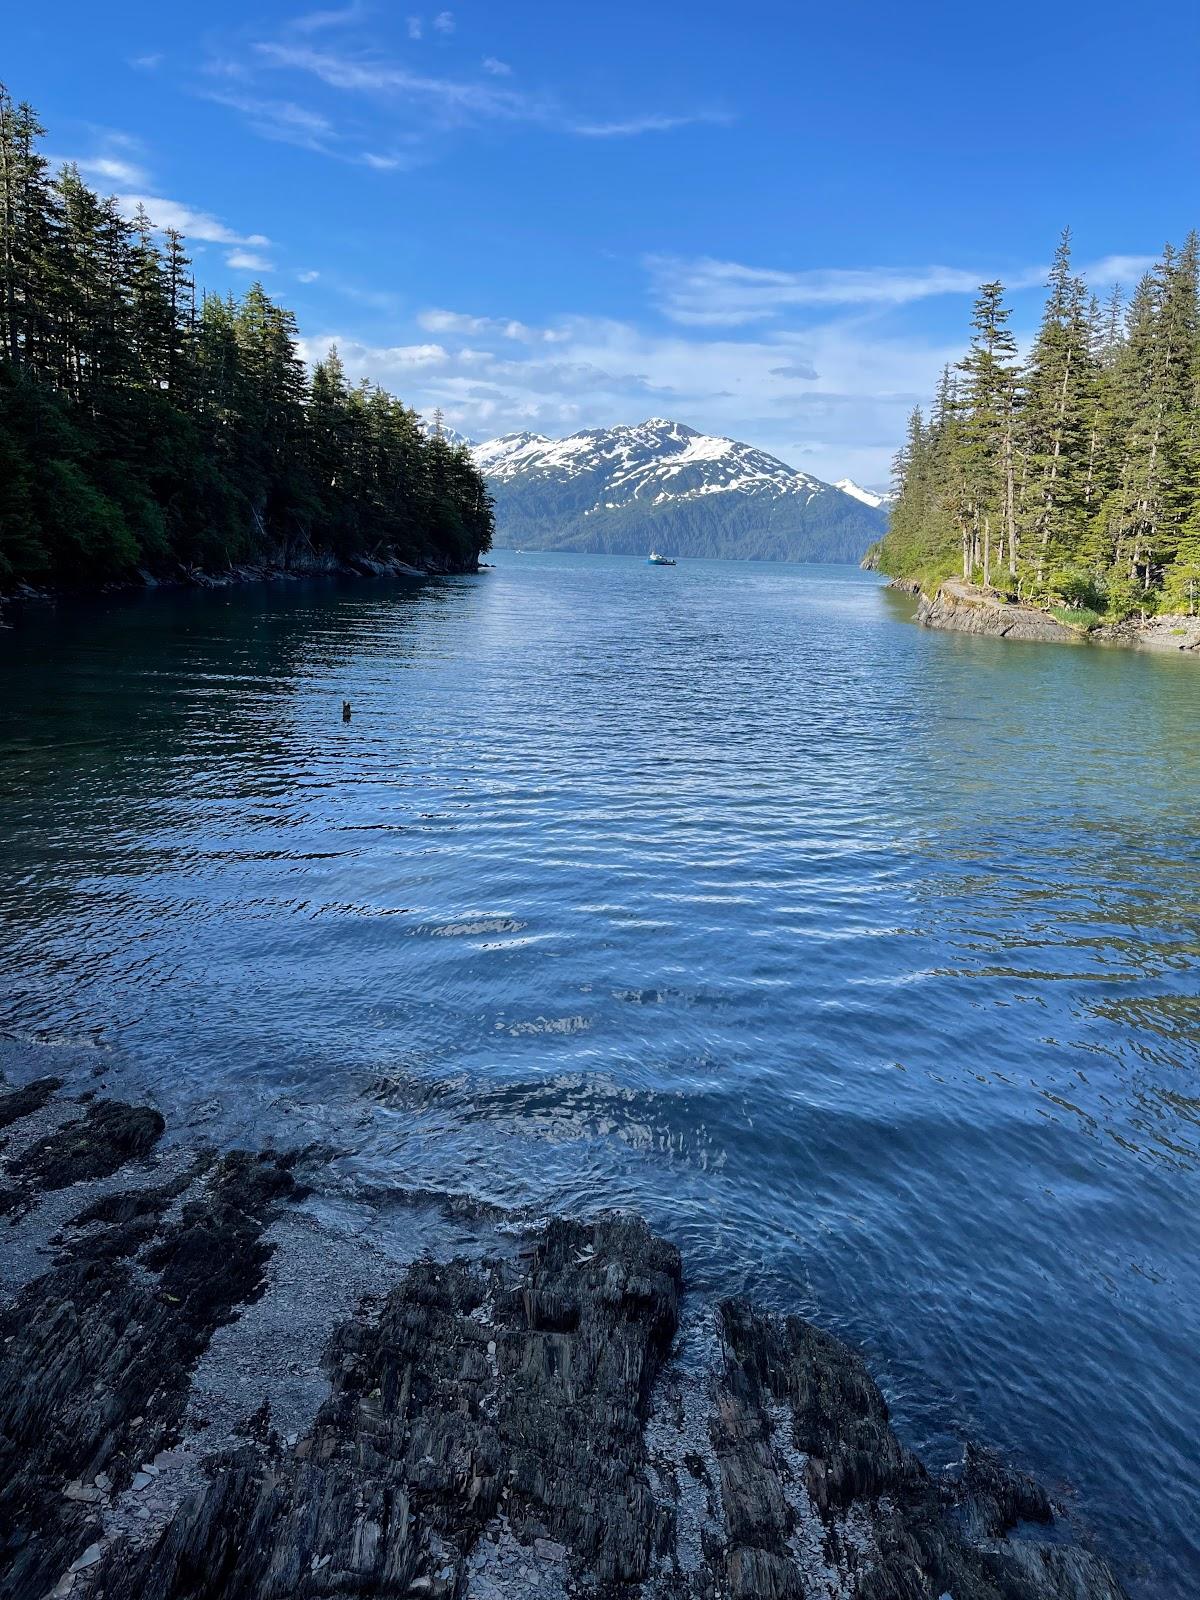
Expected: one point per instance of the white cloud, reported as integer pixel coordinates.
(310, 275)
(248, 261)
(195, 224)
(375, 362)
(103, 169)
(147, 63)
(436, 320)
(1125, 270)
(415, 28)
(497, 68)
(444, 22)
(832, 399)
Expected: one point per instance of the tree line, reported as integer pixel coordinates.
(145, 428)
(1070, 479)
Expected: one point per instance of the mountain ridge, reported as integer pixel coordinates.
(662, 483)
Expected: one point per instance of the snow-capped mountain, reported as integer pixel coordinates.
(869, 497)
(451, 435)
(660, 483)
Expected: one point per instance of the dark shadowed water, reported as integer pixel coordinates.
(865, 960)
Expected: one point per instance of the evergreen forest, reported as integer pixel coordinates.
(1070, 479)
(147, 429)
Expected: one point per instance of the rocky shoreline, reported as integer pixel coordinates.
(202, 1394)
(970, 608)
(283, 569)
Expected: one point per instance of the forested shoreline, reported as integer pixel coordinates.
(1070, 481)
(146, 429)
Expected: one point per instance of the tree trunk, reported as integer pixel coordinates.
(987, 551)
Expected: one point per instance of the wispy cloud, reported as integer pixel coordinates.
(712, 293)
(320, 21)
(444, 22)
(309, 275)
(457, 97)
(416, 28)
(651, 122)
(147, 63)
(280, 120)
(407, 93)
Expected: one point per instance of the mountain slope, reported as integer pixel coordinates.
(659, 483)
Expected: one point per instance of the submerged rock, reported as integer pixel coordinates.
(511, 1426)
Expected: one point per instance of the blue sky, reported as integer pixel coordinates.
(765, 220)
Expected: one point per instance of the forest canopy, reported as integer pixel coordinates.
(1071, 479)
(146, 428)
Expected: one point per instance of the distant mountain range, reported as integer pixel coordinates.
(660, 484)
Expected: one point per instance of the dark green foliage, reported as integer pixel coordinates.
(140, 431)
(1086, 461)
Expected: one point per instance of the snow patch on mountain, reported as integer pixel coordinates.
(869, 497)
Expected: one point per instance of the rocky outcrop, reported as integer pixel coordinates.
(538, 1421)
(1165, 633)
(968, 608)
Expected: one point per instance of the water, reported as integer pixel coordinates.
(863, 959)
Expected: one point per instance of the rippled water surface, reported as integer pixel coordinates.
(865, 960)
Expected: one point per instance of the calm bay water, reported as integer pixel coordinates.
(864, 960)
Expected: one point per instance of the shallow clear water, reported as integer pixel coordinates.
(865, 960)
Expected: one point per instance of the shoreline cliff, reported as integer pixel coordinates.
(962, 607)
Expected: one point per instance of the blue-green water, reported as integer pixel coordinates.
(865, 960)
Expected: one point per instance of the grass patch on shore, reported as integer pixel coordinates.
(1077, 616)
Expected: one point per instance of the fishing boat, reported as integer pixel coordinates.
(655, 560)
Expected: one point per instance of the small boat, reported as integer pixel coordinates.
(655, 560)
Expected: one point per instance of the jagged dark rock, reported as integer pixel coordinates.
(495, 1428)
(109, 1134)
(475, 1391)
(18, 1103)
(97, 1352)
